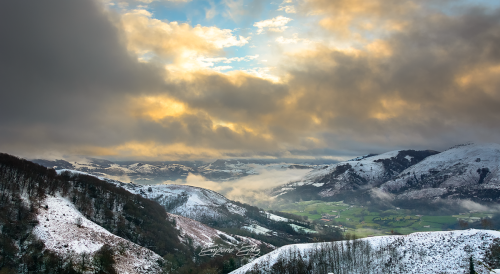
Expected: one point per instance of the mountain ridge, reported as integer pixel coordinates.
(463, 172)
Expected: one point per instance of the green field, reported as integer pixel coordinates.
(363, 222)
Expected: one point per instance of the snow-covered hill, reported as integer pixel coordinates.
(66, 231)
(198, 207)
(423, 252)
(359, 173)
(188, 201)
(464, 171)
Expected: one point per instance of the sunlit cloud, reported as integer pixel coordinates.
(293, 40)
(288, 9)
(352, 19)
(158, 107)
(146, 34)
(277, 24)
(341, 78)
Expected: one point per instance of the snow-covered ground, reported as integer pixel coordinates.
(455, 167)
(422, 252)
(365, 167)
(299, 228)
(466, 170)
(59, 230)
(257, 229)
(204, 236)
(276, 217)
(198, 203)
(193, 202)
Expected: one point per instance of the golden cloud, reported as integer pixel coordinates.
(157, 107)
(349, 18)
(277, 24)
(146, 34)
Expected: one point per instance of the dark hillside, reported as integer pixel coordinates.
(23, 187)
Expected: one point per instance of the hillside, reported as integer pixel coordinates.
(463, 172)
(50, 220)
(470, 171)
(362, 173)
(192, 202)
(204, 236)
(67, 232)
(424, 252)
(71, 221)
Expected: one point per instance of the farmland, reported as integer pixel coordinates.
(364, 222)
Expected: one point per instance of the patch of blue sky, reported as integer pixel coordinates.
(213, 13)
(239, 18)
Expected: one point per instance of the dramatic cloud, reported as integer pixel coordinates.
(412, 88)
(65, 75)
(350, 18)
(341, 78)
(180, 44)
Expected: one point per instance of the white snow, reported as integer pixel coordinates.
(204, 236)
(299, 228)
(422, 252)
(200, 202)
(365, 167)
(257, 229)
(59, 231)
(276, 217)
(458, 165)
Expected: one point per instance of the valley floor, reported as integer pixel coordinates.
(365, 221)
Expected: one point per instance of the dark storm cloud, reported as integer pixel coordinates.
(68, 80)
(68, 83)
(244, 101)
(440, 85)
(62, 68)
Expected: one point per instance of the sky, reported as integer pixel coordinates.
(196, 79)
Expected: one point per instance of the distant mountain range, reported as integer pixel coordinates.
(159, 172)
(468, 171)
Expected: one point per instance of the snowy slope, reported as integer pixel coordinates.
(204, 236)
(359, 173)
(464, 170)
(423, 252)
(59, 231)
(188, 201)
